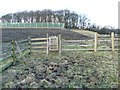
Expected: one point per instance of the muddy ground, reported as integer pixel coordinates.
(71, 70)
(22, 33)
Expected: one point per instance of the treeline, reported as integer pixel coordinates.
(70, 19)
(104, 30)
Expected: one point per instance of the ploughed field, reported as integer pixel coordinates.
(71, 70)
(23, 33)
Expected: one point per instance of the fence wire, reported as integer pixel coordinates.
(31, 25)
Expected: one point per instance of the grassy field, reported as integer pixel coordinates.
(84, 32)
(88, 33)
(71, 70)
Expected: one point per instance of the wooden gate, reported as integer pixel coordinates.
(53, 43)
(50, 43)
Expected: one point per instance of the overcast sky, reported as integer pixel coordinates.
(101, 12)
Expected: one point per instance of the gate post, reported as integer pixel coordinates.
(60, 44)
(29, 42)
(95, 46)
(13, 51)
(112, 39)
(47, 49)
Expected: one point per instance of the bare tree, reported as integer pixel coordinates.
(70, 19)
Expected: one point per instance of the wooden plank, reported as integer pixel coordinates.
(117, 36)
(53, 43)
(29, 43)
(5, 58)
(39, 51)
(24, 54)
(117, 39)
(79, 45)
(77, 49)
(5, 53)
(116, 49)
(104, 49)
(6, 66)
(85, 45)
(103, 40)
(20, 52)
(95, 46)
(47, 49)
(60, 45)
(112, 39)
(5, 47)
(37, 43)
(103, 36)
(87, 49)
(54, 50)
(13, 51)
(77, 40)
(22, 41)
(39, 47)
(35, 39)
(7, 44)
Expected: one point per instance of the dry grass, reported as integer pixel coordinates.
(85, 32)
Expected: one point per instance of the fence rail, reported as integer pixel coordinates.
(10, 54)
(28, 45)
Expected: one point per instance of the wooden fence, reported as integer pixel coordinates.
(43, 44)
(99, 43)
(10, 53)
(39, 44)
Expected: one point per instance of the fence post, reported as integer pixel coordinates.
(12, 24)
(24, 24)
(13, 51)
(112, 39)
(36, 25)
(29, 43)
(95, 46)
(59, 25)
(47, 50)
(53, 25)
(42, 24)
(60, 44)
(18, 25)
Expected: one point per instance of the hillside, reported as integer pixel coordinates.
(84, 32)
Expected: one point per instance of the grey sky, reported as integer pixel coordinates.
(101, 12)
